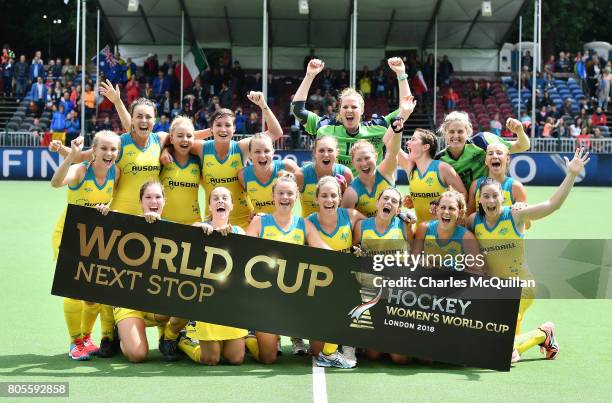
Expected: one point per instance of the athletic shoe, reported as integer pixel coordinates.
(515, 356)
(336, 360)
(108, 347)
(349, 353)
(298, 347)
(78, 351)
(169, 349)
(90, 347)
(550, 347)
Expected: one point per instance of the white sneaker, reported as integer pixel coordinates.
(349, 353)
(298, 347)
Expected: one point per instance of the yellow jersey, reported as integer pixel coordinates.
(425, 188)
(181, 184)
(296, 233)
(502, 245)
(308, 191)
(506, 190)
(341, 238)
(442, 248)
(366, 201)
(260, 194)
(393, 239)
(137, 165)
(217, 172)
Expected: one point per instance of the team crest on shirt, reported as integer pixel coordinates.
(297, 237)
(234, 164)
(194, 171)
(503, 231)
(130, 153)
(429, 181)
(209, 164)
(344, 236)
(109, 190)
(88, 189)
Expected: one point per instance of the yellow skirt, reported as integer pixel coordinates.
(212, 332)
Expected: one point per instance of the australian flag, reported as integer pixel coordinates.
(109, 65)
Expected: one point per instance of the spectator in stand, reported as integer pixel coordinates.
(527, 61)
(160, 85)
(147, 92)
(327, 80)
(496, 126)
(190, 105)
(168, 63)
(600, 121)
(576, 127)
(216, 79)
(200, 94)
(90, 102)
(38, 94)
(554, 112)
(68, 72)
(550, 65)
(580, 69)
(273, 84)
(130, 69)
(545, 101)
(445, 71)
(541, 117)
(308, 58)
(150, 68)
(602, 90)
(165, 104)
(607, 87)
(328, 100)
(547, 129)
(201, 119)
(57, 70)
(7, 77)
(487, 92)
(133, 89)
(451, 98)
(58, 124)
(597, 145)
(36, 130)
(584, 139)
(66, 103)
(56, 95)
(593, 71)
(37, 68)
(104, 124)
(174, 84)
(253, 125)
(238, 81)
(75, 95)
(316, 99)
(563, 64)
(225, 96)
(73, 126)
(525, 120)
(365, 83)
(239, 121)
(380, 83)
(162, 125)
(567, 108)
(342, 81)
(176, 110)
(475, 93)
(21, 71)
(254, 82)
(213, 104)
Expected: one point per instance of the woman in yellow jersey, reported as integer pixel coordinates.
(324, 163)
(214, 341)
(500, 231)
(222, 158)
(89, 184)
(131, 323)
(366, 188)
(281, 226)
(258, 178)
(181, 177)
(444, 242)
(497, 160)
(427, 178)
(335, 226)
(385, 233)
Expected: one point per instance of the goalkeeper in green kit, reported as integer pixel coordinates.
(347, 127)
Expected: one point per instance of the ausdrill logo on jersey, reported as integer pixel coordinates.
(216, 181)
(172, 184)
(133, 169)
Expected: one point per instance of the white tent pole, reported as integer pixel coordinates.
(264, 60)
(182, 65)
(354, 62)
(76, 46)
(350, 61)
(539, 35)
(96, 89)
(83, 69)
(520, 70)
(435, 86)
(535, 59)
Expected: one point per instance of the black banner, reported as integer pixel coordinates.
(265, 285)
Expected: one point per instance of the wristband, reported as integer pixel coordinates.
(401, 129)
(402, 77)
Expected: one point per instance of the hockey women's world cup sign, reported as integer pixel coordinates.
(264, 285)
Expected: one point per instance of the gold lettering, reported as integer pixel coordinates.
(315, 282)
(280, 278)
(210, 252)
(82, 269)
(249, 268)
(169, 282)
(154, 282)
(134, 274)
(197, 271)
(97, 237)
(101, 276)
(166, 256)
(145, 243)
(205, 291)
(117, 278)
(194, 290)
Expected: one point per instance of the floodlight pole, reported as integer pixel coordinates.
(264, 61)
(182, 65)
(76, 46)
(83, 68)
(520, 70)
(536, 56)
(354, 46)
(435, 83)
(97, 86)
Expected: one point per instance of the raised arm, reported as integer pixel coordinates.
(275, 131)
(450, 177)
(298, 106)
(66, 173)
(113, 95)
(389, 163)
(522, 143)
(472, 203)
(397, 65)
(56, 146)
(541, 210)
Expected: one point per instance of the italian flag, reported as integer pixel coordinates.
(194, 63)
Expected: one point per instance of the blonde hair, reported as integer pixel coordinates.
(327, 180)
(221, 188)
(181, 119)
(287, 177)
(456, 116)
(349, 92)
(361, 144)
(260, 136)
(391, 188)
(107, 134)
(458, 197)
